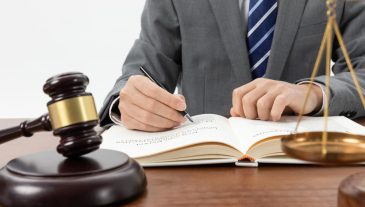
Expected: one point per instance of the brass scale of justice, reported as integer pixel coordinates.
(327, 147)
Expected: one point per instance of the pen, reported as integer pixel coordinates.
(144, 71)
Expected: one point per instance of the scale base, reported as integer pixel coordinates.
(352, 191)
(101, 178)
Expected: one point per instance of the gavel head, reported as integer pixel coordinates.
(72, 113)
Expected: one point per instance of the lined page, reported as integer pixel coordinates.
(252, 131)
(206, 128)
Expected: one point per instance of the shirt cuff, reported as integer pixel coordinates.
(115, 117)
(324, 96)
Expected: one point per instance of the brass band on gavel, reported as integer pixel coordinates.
(72, 111)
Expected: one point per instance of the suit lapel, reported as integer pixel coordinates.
(232, 30)
(287, 24)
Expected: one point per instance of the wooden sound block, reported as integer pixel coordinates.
(352, 191)
(103, 177)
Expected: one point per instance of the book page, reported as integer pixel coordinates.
(206, 128)
(252, 131)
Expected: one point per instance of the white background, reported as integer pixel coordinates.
(42, 38)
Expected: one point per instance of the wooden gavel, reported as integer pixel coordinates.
(71, 115)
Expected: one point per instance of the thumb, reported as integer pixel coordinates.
(181, 97)
(182, 103)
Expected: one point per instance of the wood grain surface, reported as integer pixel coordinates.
(219, 185)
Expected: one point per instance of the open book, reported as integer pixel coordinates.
(215, 139)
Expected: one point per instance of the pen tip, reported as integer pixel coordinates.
(189, 118)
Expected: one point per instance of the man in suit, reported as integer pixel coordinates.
(248, 58)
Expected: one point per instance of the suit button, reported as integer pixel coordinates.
(348, 114)
(353, 114)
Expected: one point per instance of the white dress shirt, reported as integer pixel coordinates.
(244, 7)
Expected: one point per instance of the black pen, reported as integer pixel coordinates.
(144, 71)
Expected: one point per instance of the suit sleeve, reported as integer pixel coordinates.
(344, 98)
(158, 48)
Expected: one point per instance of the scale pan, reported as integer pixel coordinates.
(342, 148)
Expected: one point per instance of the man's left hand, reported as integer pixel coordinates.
(269, 99)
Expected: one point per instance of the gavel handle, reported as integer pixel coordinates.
(26, 129)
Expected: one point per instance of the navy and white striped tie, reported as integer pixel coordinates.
(261, 25)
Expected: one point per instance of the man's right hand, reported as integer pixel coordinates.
(147, 107)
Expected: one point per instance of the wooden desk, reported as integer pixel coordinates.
(223, 185)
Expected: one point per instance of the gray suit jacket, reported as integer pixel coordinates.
(200, 47)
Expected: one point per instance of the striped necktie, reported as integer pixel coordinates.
(261, 25)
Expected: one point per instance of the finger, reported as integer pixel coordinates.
(237, 95)
(152, 105)
(280, 103)
(150, 89)
(233, 113)
(147, 117)
(265, 103)
(249, 102)
(132, 123)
